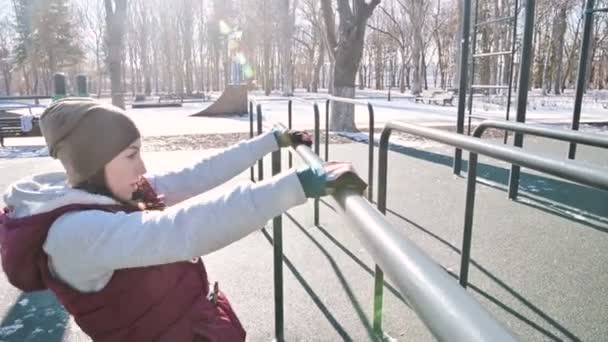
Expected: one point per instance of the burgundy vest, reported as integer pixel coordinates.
(156, 303)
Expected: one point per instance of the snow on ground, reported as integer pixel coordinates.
(176, 121)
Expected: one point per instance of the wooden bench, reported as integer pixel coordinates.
(435, 97)
(10, 126)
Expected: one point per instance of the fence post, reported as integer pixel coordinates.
(252, 172)
(327, 130)
(316, 143)
(277, 242)
(261, 161)
(370, 161)
(522, 96)
(289, 122)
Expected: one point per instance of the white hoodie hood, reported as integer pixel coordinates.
(45, 192)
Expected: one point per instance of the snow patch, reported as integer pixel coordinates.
(13, 152)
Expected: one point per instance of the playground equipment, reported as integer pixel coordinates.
(233, 101)
(447, 310)
(374, 232)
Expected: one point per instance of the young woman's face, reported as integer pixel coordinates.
(123, 172)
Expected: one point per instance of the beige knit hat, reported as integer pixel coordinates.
(85, 135)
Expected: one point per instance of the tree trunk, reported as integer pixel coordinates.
(402, 72)
(559, 52)
(346, 50)
(116, 16)
(318, 66)
(416, 15)
(378, 65)
(286, 37)
(361, 77)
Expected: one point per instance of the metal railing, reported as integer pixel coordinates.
(582, 174)
(445, 308)
(570, 136)
(559, 134)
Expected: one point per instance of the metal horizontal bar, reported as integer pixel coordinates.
(484, 86)
(494, 21)
(601, 10)
(299, 99)
(591, 139)
(447, 309)
(489, 54)
(347, 100)
(27, 97)
(365, 103)
(579, 173)
(480, 117)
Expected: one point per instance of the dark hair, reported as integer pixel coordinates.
(96, 184)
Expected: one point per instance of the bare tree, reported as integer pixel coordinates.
(346, 50)
(6, 45)
(397, 29)
(93, 16)
(116, 17)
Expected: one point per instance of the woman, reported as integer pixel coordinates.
(124, 260)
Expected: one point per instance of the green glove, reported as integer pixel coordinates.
(325, 180)
(286, 138)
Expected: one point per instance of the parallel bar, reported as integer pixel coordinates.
(494, 21)
(591, 139)
(462, 82)
(316, 146)
(489, 54)
(522, 94)
(261, 161)
(581, 78)
(277, 243)
(450, 313)
(582, 174)
(538, 130)
(252, 172)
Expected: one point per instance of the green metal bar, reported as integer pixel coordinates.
(289, 119)
(261, 161)
(462, 82)
(378, 300)
(327, 102)
(522, 93)
(277, 243)
(252, 172)
(581, 79)
(317, 147)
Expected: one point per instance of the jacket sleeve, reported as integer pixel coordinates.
(94, 242)
(209, 172)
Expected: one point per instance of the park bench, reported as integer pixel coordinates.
(10, 126)
(435, 97)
